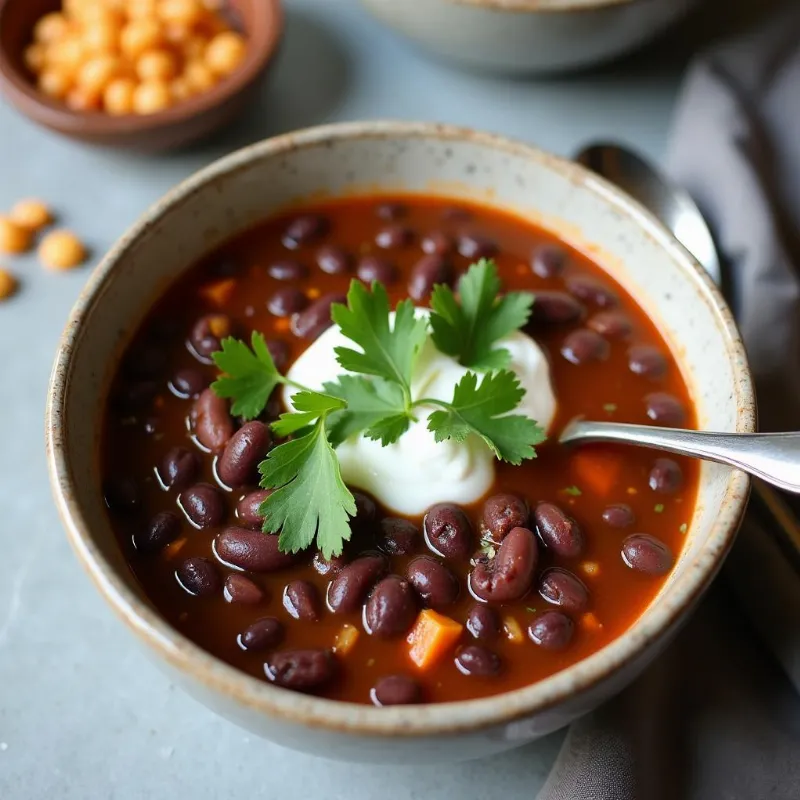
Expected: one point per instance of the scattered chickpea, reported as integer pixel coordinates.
(61, 250)
(225, 52)
(13, 237)
(156, 65)
(8, 284)
(151, 97)
(31, 214)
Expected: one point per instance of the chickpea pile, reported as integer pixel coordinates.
(132, 56)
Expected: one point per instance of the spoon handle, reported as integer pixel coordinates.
(774, 457)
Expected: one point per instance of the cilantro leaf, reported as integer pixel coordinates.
(310, 500)
(250, 375)
(481, 409)
(309, 406)
(572, 491)
(469, 330)
(389, 351)
(375, 407)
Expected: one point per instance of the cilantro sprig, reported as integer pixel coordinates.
(469, 330)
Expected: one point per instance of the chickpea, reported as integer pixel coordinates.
(141, 9)
(31, 214)
(151, 97)
(185, 12)
(118, 97)
(67, 55)
(13, 237)
(180, 89)
(199, 76)
(177, 34)
(225, 52)
(92, 13)
(102, 36)
(55, 83)
(156, 65)
(8, 284)
(61, 250)
(35, 57)
(81, 99)
(51, 27)
(98, 72)
(140, 35)
(194, 48)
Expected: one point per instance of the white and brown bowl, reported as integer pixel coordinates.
(241, 189)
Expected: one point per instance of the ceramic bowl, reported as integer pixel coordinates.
(529, 36)
(188, 121)
(356, 158)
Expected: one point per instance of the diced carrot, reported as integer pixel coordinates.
(590, 622)
(218, 292)
(597, 471)
(281, 324)
(173, 548)
(590, 567)
(513, 631)
(313, 294)
(432, 638)
(345, 640)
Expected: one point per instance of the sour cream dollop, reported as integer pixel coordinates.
(415, 472)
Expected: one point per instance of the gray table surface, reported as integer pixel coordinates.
(83, 714)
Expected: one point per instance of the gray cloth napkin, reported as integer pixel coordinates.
(718, 716)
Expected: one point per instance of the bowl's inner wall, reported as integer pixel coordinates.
(211, 213)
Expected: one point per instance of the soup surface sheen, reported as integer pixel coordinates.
(607, 362)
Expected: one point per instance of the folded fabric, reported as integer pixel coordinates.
(718, 715)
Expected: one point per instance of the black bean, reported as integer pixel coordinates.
(394, 236)
(241, 589)
(328, 566)
(315, 319)
(611, 324)
(285, 270)
(179, 468)
(562, 588)
(279, 350)
(162, 529)
(334, 260)
(366, 510)
(377, 268)
(145, 362)
(211, 421)
(390, 608)
(239, 462)
(483, 622)
(473, 245)
(555, 308)
(560, 533)
(286, 302)
(666, 476)
(252, 551)
(203, 505)
(474, 659)
(619, 516)
(348, 589)
(509, 574)
(301, 600)
(426, 273)
(302, 670)
(304, 229)
(264, 634)
(121, 494)
(247, 509)
(396, 690)
(136, 397)
(552, 630)
(645, 553)
(501, 513)
(434, 582)
(207, 334)
(591, 291)
(646, 361)
(448, 531)
(198, 576)
(548, 260)
(583, 346)
(398, 537)
(665, 409)
(189, 382)
(437, 243)
(391, 210)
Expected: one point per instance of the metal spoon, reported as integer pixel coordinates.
(774, 457)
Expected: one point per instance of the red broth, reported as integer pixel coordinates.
(626, 374)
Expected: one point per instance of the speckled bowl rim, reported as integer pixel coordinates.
(542, 6)
(457, 717)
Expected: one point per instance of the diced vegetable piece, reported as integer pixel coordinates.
(218, 292)
(432, 638)
(597, 471)
(513, 631)
(590, 567)
(345, 640)
(173, 548)
(590, 622)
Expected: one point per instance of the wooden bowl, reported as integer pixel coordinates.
(192, 119)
